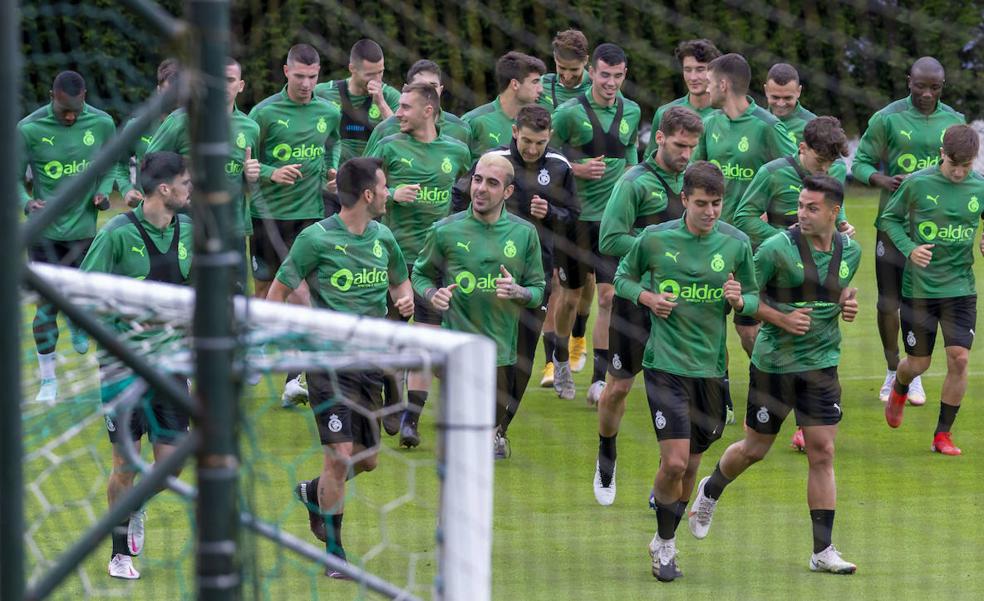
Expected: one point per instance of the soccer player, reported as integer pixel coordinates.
(517, 76)
(151, 242)
(427, 72)
(173, 136)
(570, 54)
(598, 131)
(326, 254)
(480, 268)
(804, 274)
(782, 91)
(694, 57)
(543, 194)
(932, 219)
(685, 271)
(363, 99)
(421, 167)
(901, 138)
(58, 141)
(647, 194)
(294, 126)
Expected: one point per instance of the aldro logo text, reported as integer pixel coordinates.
(344, 279)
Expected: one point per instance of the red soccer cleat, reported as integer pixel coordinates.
(894, 408)
(943, 445)
(798, 442)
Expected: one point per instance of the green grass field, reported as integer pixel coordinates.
(909, 518)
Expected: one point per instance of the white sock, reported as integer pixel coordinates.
(889, 373)
(46, 364)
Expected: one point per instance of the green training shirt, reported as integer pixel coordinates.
(777, 185)
(928, 208)
(555, 93)
(489, 127)
(292, 133)
(796, 121)
(119, 249)
(447, 124)
(777, 262)
(56, 153)
(572, 129)
(346, 272)
(138, 151)
(740, 147)
(435, 166)
(638, 194)
(683, 101)
(691, 341)
(349, 148)
(463, 250)
(901, 140)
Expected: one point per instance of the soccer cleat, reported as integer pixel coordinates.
(894, 407)
(829, 560)
(729, 415)
(563, 382)
(409, 436)
(579, 353)
(943, 444)
(315, 522)
(294, 394)
(702, 511)
(663, 553)
(80, 342)
(594, 393)
(547, 379)
(391, 422)
(917, 396)
(48, 391)
(798, 442)
(605, 495)
(135, 532)
(886, 388)
(121, 566)
(500, 446)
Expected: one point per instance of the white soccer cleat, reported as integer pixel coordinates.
(135, 532)
(605, 495)
(663, 554)
(563, 380)
(701, 512)
(121, 566)
(294, 394)
(917, 396)
(48, 391)
(594, 393)
(829, 560)
(886, 388)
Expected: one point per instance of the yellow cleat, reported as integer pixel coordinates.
(578, 351)
(546, 381)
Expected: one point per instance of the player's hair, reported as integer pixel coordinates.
(424, 66)
(426, 92)
(304, 54)
(354, 177)
(783, 73)
(680, 118)
(610, 53)
(160, 168)
(961, 143)
(705, 176)
(570, 45)
(231, 62)
(366, 50)
(735, 69)
(494, 160)
(69, 83)
(826, 137)
(516, 65)
(533, 117)
(703, 50)
(832, 190)
(167, 70)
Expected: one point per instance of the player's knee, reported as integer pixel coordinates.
(606, 294)
(887, 305)
(957, 360)
(753, 452)
(820, 454)
(674, 467)
(367, 464)
(616, 389)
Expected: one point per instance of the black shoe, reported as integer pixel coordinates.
(315, 521)
(409, 437)
(391, 422)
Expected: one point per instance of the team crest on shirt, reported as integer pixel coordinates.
(322, 125)
(543, 178)
(623, 127)
(910, 338)
(844, 270)
(616, 361)
(762, 416)
(87, 138)
(182, 251)
(509, 249)
(973, 206)
(377, 249)
(241, 140)
(659, 420)
(446, 166)
(717, 262)
(561, 274)
(374, 112)
(334, 424)
(743, 144)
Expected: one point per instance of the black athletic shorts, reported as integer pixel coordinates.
(628, 333)
(423, 312)
(59, 252)
(889, 267)
(815, 395)
(270, 243)
(956, 316)
(349, 416)
(573, 267)
(161, 421)
(684, 407)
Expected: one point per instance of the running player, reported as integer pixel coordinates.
(58, 141)
(804, 274)
(421, 167)
(902, 138)
(166, 72)
(598, 130)
(932, 219)
(151, 242)
(350, 241)
(782, 91)
(648, 194)
(685, 272)
(570, 54)
(694, 57)
(493, 259)
(517, 76)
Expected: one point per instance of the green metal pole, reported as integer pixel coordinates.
(218, 565)
(11, 452)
